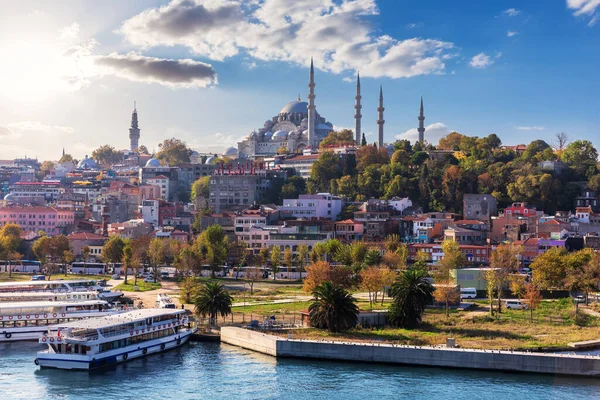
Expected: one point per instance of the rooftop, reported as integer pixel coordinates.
(30, 304)
(122, 318)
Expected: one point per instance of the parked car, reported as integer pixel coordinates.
(468, 293)
(116, 276)
(579, 299)
(516, 305)
(149, 279)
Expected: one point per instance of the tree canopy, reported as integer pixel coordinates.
(173, 152)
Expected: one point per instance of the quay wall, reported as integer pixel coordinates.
(544, 363)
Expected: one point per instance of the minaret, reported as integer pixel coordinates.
(357, 114)
(134, 131)
(380, 120)
(311, 106)
(421, 128)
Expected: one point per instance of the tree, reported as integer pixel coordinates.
(322, 271)
(332, 308)
(447, 293)
(213, 300)
(549, 269)
(67, 258)
(156, 254)
(112, 251)
(187, 261)
(66, 158)
(293, 187)
(127, 258)
(561, 139)
(453, 259)
(107, 156)
(337, 138)
(371, 281)
(253, 275)
(412, 292)
(363, 142)
(581, 156)
(302, 256)
(517, 285)
(85, 253)
(288, 259)
(324, 170)
(173, 152)
(275, 260)
(506, 259)
(263, 256)
(200, 188)
(533, 298)
(212, 245)
(10, 239)
(142, 150)
(42, 249)
(491, 287)
(451, 141)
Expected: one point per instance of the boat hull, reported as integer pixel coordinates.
(110, 358)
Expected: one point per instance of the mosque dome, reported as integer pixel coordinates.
(295, 107)
(305, 133)
(323, 127)
(253, 135)
(293, 135)
(269, 124)
(9, 197)
(153, 163)
(268, 135)
(230, 152)
(195, 153)
(210, 160)
(280, 135)
(86, 163)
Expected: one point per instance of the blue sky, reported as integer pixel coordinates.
(209, 72)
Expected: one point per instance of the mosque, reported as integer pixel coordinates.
(299, 127)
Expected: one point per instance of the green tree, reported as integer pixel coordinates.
(112, 251)
(200, 188)
(213, 300)
(412, 292)
(107, 156)
(582, 157)
(127, 258)
(288, 258)
(302, 257)
(549, 269)
(275, 260)
(337, 138)
(506, 259)
(293, 187)
(213, 245)
(85, 253)
(173, 152)
(332, 308)
(66, 158)
(324, 170)
(157, 254)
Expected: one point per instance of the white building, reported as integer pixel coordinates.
(149, 210)
(321, 205)
(400, 204)
(163, 183)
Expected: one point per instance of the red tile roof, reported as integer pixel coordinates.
(85, 236)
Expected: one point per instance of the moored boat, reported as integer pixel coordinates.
(60, 286)
(105, 341)
(28, 320)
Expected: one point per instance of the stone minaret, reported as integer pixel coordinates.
(380, 120)
(357, 114)
(134, 131)
(421, 128)
(311, 106)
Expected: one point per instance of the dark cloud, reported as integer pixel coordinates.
(188, 17)
(178, 73)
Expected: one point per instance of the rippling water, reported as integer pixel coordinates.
(213, 371)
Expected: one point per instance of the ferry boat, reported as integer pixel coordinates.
(28, 320)
(164, 301)
(78, 285)
(47, 296)
(101, 342)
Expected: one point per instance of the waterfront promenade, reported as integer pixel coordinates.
(543, 363)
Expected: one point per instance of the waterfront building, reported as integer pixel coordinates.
(51, 220)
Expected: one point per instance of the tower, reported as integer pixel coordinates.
(311, 106)
(380, 120)
(357, 114)
(134, 131)
(421, 128)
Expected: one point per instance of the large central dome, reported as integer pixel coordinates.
(295, 107)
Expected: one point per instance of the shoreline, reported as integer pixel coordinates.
(384, 353)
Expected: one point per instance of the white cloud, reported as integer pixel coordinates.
(530, 128)
(337, 34)
(480, 61)
(433, 133)
(33, 138)
(511, 12)
(585, 7)
(69, 31)
(35, 126)
(512, 33)
(414, 25)
(348, 79)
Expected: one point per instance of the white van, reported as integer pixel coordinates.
(468, 293)
(515, 305)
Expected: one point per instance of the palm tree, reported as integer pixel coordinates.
(213, 299)
(412, 292)
(332, 308)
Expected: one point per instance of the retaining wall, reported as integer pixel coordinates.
(546, 363)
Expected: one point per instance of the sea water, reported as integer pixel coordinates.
(217, 371)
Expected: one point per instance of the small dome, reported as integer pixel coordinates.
(268, 134)
(268, 124)
(153, 163)
(9, 197)
(210, 160)
(323, 127)
(280, 135)
(305, 133)
(195, 153)
(295, 107)
(86, 163)
(253, 135)
(293, 135)
(230, 152)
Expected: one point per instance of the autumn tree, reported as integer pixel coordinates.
(517, 285)
(549, 269)
(533, 298)
(288, 259)
(85, 253)
(200, 187)
(446, 293)
(112, 251)
(321, 271)
(107, 156)
(337, 138)
(253, 275)
(275, 260)
(371, 281)
(127, 258)
(505, 260)
(302, 256)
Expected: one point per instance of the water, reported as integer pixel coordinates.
(212, 371)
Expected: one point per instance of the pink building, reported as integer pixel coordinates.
(520, 209)
(51, 220)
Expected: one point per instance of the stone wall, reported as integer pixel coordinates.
(546, 363)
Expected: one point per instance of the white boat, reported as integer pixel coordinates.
(65, 286)
(164, 301)
(28, 320)
(101, 342)
(47, 296)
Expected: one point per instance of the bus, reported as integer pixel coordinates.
(240, 273)
(288, 273)
(88, 268)
(29, 266)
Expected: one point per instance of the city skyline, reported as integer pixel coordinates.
(73, 72)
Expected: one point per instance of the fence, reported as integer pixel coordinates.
(257, 320)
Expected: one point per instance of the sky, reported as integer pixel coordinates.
(211, 71)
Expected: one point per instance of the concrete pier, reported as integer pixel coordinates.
(543, 363)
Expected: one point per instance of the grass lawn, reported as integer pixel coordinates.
(15, 277)
(284, 308)
(511, 331)
(143, 286)
(72, 277)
